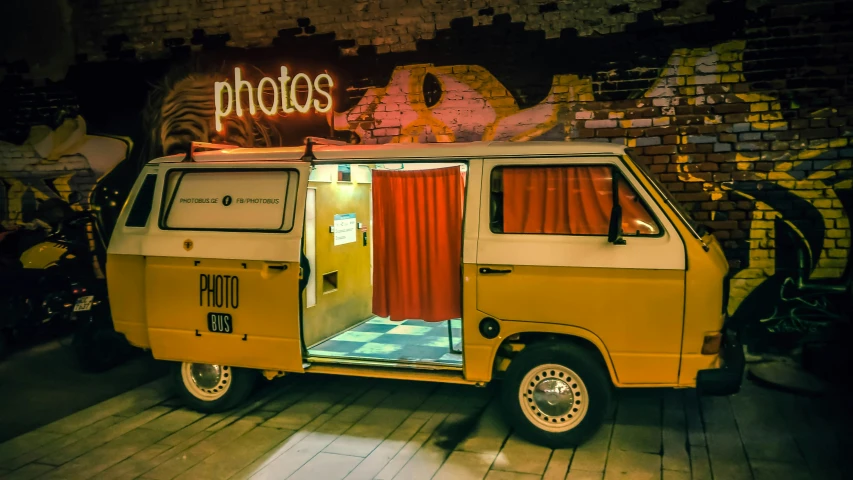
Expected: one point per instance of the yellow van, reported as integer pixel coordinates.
(562, 269)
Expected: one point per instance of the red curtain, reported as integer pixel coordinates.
(417, 244)
(573, 200)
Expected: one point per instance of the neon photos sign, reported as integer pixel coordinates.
(284, 98)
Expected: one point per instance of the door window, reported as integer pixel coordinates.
(564, 200)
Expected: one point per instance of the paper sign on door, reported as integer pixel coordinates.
(345, 226)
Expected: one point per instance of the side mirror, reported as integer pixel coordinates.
(614, 235)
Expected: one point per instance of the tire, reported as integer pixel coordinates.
(556, 366)
(223, 388)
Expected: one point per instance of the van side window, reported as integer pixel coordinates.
(564, 200)
(255, 200)
(141, 208)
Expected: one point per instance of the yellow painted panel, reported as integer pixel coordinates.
(263, 303)
(351, 302)
(703, 299)
(636, 313)
(126, 286)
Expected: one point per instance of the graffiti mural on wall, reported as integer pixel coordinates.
(53, 163)
(799, 187)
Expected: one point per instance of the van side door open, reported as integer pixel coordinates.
(222, 264)
(544, 256)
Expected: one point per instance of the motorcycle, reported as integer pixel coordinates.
(54, 286)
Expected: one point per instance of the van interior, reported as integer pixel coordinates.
(382, 244)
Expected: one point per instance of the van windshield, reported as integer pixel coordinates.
(695, 228)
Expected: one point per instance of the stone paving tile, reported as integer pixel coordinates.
(592, 455)
(135, 465)
(371, 429)
(107, 435)
(521, 456)
(184, 460)
(558, 465)
(329, 466)
(490, 432)
(417, 422)
(106, 455)
(638, 422)
(274, 453)
(128, 404)
(675, 475)
(174, 420)
(584, 475)
(61, 442)
(675, 440)
(465, 465)
(765, 470)
(632, 465)
(33, 470)
(20, 445)
(296, 454)
(725, 448)
(700, 465)
(499, 475)
(239, 453)
(427, 460)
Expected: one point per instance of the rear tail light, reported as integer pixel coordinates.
(711, 344)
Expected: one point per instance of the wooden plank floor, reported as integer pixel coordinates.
(327, 427)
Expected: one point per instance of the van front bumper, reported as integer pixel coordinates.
(727, 379)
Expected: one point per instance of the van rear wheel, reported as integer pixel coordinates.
(212, 388)
(556, 394)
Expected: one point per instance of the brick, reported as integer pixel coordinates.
(648, 141)
(661, 150)
(601, 124)
(610, 132)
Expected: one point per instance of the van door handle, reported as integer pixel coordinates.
(277, 267)
(487, 271)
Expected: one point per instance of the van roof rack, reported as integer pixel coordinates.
(203, 146)
(311, 141)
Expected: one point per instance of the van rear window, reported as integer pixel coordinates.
(233, 200)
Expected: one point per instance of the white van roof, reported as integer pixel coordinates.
(397, 152)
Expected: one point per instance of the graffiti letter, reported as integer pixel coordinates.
(218, 88)
(239, 83)
(285, 103)
(322, 92)
(272, 110)
(305, 107)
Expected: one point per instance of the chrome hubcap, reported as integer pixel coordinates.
(205, 376)
(553, 397)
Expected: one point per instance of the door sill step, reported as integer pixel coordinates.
(385, 370)
(428, 366)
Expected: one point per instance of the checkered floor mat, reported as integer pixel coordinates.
(408, 341)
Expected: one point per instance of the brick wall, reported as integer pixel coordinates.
(742, 107)
(141, 26)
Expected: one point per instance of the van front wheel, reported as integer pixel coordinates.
(212, 388)
(555, 394)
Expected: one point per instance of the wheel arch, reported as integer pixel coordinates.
(524, 337)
